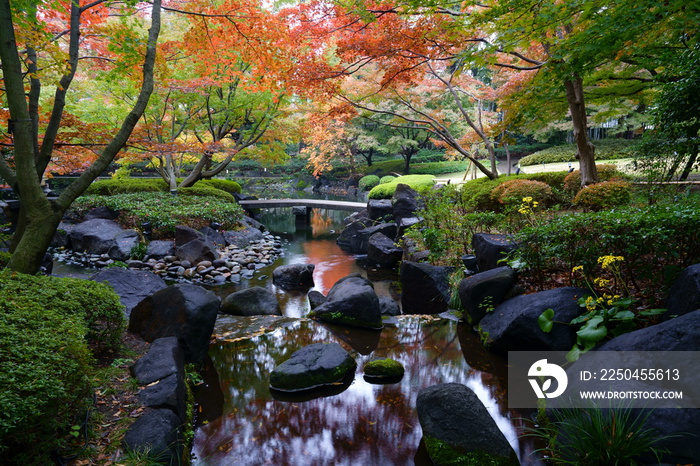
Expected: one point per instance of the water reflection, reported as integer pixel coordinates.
(365, 424)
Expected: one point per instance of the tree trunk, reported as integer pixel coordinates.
(39, 217)
(585, 152)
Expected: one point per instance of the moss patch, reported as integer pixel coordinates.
(384, 368)
(443, 453)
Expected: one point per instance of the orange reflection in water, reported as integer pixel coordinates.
(331, 263)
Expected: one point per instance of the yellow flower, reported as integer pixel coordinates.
(590, 303)
(601, 282)
(607, 261)
(527, 199)
(578, 268)
(535, 204)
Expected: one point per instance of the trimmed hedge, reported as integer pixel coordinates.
(605, 195)
(572, 182)
(135, 185)
(476, 194)
(513, 191)
(386, 190)
(46, 327)
(605, 149)
(656, 241)
(188, 208)
(368, 182)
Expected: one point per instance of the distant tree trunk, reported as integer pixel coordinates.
(585, 152)
(505, 146)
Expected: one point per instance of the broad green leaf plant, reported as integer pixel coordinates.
(608, 311)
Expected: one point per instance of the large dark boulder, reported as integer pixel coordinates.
(185, 311)
(482, 292)
(383, 252)
(101, 212)
(242, 238)
(313, 366)
(684, 295)
(678, 334)
(163, 358)
(124, 242)
(679, 431)
(359, 244)
(197, 250)
(185, 234)
(161, 371)
(352, 301)
(388, 306)
(452, 414)
(213, 236)
(425, 288)
(405, 202)
(157, 433)
(132, 286)
(159, 249)
(252, 301)
(490, 249)
(61, 239)
(294, 276)
(513, 326)
(380, 209)
(94, 236)
(347, 236)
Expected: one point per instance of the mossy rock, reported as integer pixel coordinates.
(383, 371)
(384, 368)
(311, 367)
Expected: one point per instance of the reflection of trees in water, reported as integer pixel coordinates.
(321, 222)
(366, 424)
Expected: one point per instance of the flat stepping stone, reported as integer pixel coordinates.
(311, 367)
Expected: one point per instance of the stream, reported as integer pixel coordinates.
(239, 422)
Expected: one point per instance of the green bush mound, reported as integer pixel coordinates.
(134, 185)
(47, 325)
(605, 149)
(604, 195)
(229, 186)
(368, 182)
(572, 182)
(386, 179)
(386, 190)
(417, 167)
(193, 210)
(512, 192)
(477, 194)
(657, 242)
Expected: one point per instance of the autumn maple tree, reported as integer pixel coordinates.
(41, 46)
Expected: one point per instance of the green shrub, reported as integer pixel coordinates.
(387, 179)
(448, 226)
(605, 149)
(512, 192)
(368, 182)
(229, 186)
(206, 191)
(476, 194)
(135, 185)
(386, 190)
(44, 384)
(572, 182)
(4, 258)
(128, 185)
(657, 242)
(165, 211)
(301, 185)
(605, 195)
(46, 324)
(93, 303)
